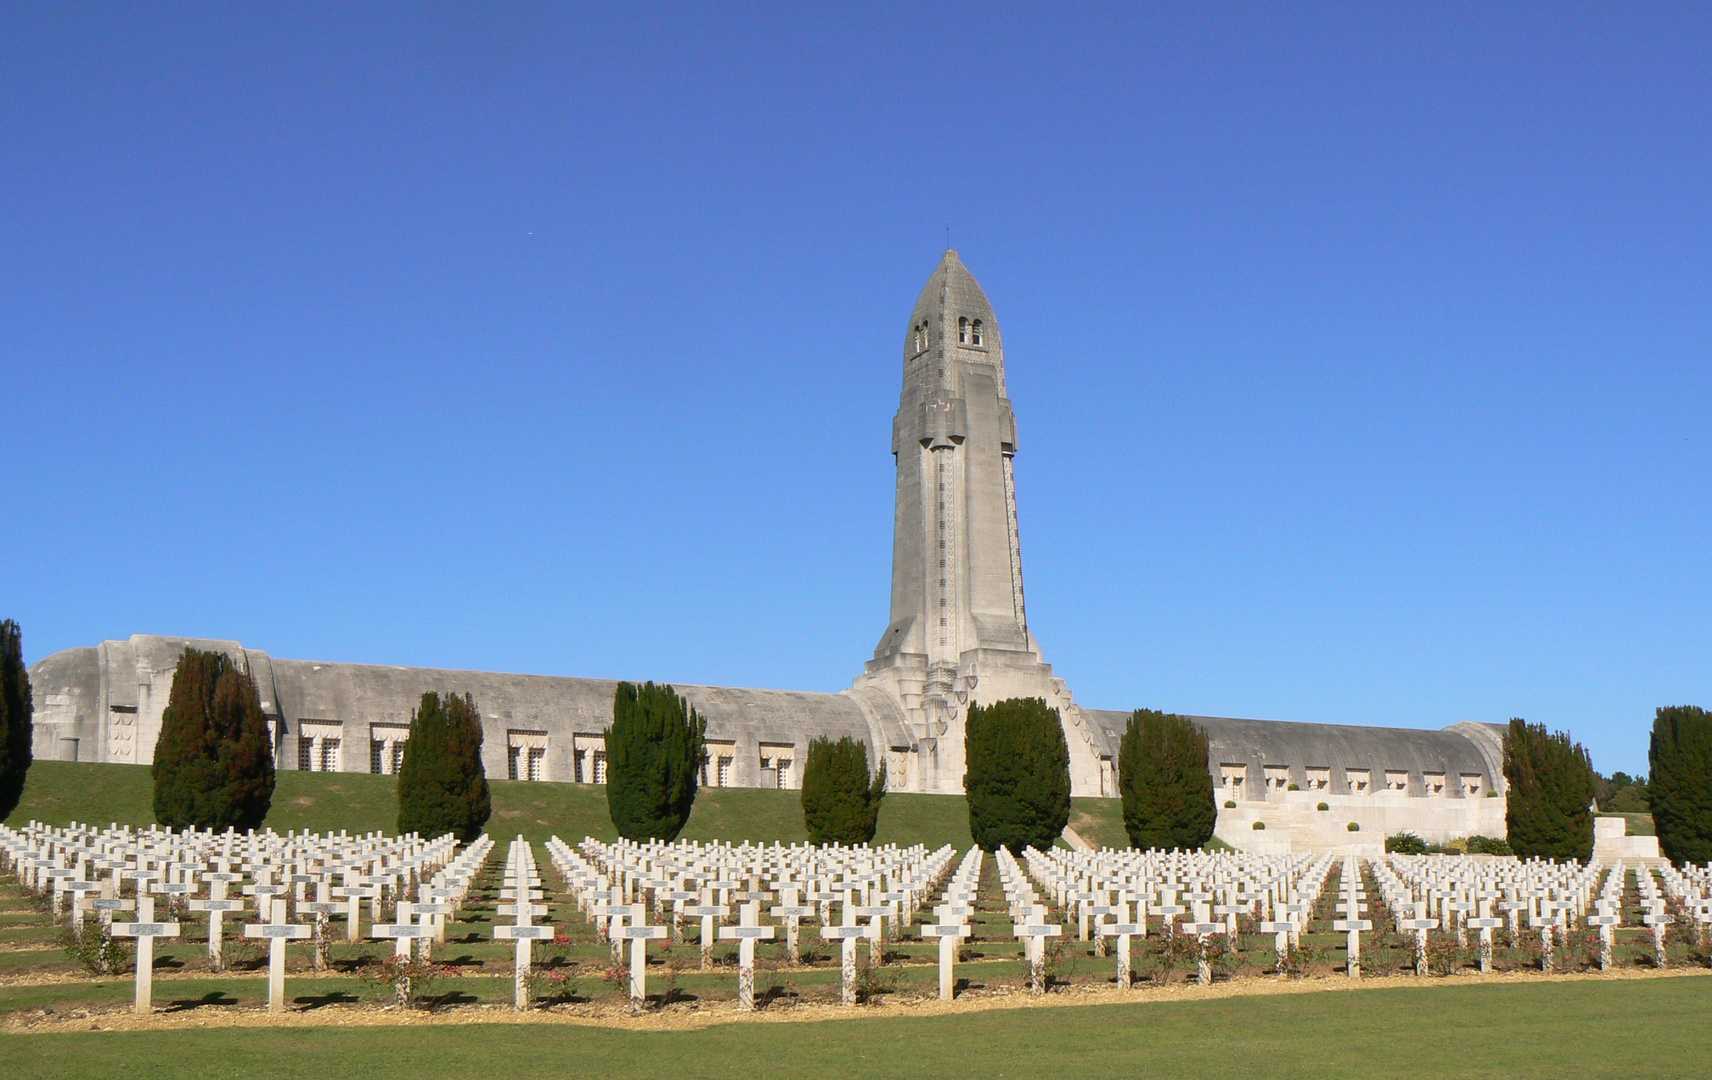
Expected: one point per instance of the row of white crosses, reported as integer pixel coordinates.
(423, 921)
(1653, 914)
(522, 886)
(93, 867)
(1028, 918)
(1691, 886)
(616, 885)
(618, 917)
(1114, 894)
(1455, 894)
(951, 916)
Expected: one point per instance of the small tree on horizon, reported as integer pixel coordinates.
(840, 799)
(1016, 774)
(442, 783)
(1548, 808)
(655, 749)
(17, 717)
(1680, 759)
(213, 766)
(1168, 796)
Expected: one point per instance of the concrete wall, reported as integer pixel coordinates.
(110, 699)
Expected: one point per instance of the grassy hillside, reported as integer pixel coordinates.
(61, 791)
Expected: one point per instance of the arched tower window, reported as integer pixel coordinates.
(962, 331)
(975, 332)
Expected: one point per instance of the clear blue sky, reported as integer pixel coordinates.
(1362, 355)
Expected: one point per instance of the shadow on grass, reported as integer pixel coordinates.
(213, 997)
(310, 1002)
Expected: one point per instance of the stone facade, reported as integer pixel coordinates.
(958, 636)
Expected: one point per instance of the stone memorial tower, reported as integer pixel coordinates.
(959, 631)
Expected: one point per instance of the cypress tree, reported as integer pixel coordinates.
(654, 750)
(1016, 775)
(1680, 757)
(442, 784)
(1550, 780)
(1168, 798)
(213, 764)
(16, 718)
(840, 800)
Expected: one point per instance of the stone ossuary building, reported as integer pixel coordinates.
(958, 635)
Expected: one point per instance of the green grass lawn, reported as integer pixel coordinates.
(1635, 1030)
(60, 791)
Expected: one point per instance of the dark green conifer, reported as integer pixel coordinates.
(16, 718)
(1167, 790)
(1680, 786)
(442, 783)
(655, 750)
(840, 798)
(1016, 775)
(1549, 801)
(213, 766)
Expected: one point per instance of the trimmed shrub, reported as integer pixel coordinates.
(1680, 787)
(442, 783)
(16, 718)
(655, 750)
(1488, 845)
(1323, 806)
(1168, 799)
(1016, 775)
(1230, 804)
(1405, 843)
(840, 799)
(1259, 825)
(213, 764)
(1355, 826)
(1550, 792)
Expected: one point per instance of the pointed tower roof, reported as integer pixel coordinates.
(952, 292)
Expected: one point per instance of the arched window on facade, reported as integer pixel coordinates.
(975, 332)
(962, 331)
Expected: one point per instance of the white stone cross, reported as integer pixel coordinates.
(1123, 930)
(403, 930)
(276, 931)
(746, 934)
(1485, 923)
(1607, 922)
(354, 895)
(1280, 931)
(710, 914)
(321, 909)
(1353, 928)
(1655, 918)
(1420, 924)
(1033, 930)
(792, 912)
(145, 930)
(1202, 927)
(950, 935)
(847, 935)
(639, 934)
